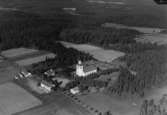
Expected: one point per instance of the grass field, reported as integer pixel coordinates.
(160, 39)
(15, 99)
(7, 71)
(104, 103)
(32, 60)
(56, 104)
(97, 52)
(11, 53)
(25, 56)
(140, 29)
(121, 106)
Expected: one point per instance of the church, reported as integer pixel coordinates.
(83, 70)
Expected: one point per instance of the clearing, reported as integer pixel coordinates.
(121, 106)
(145, 30)
(97, 52)
(56, 104)
(17, 52)
(103, 103)
(26, 56)
(160, 39)
(7, 71)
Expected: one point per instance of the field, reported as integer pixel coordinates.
(104, 103)
(15, 99)
(25, 56)
(97, 52)
(17, 52)
(160, 39)
(113, 76)
(140, 29)
(32, 60)
(104, 11)
(57, 104)
(7, 71)
(121, 106)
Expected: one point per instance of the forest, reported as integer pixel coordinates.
(109, 38)
(141, 20)
(99, 36)
(33, 31)
(151, 107)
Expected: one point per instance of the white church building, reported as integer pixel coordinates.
(83, 70)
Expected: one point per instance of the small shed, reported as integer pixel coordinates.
(75, 90)
(47, 85)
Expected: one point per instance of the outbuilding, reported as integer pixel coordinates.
(75, 90)
(47, 86)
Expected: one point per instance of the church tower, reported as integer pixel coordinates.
(79, 68)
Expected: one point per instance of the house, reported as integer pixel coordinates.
(47, 86)
(83, 70)
(26, 74)
(50, 72)
(75, 90)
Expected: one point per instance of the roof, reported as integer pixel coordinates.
(47, 83)
(89, 68)
(75, 89)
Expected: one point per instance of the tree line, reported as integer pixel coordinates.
(99, 36)
(150, 70)
(150, 107)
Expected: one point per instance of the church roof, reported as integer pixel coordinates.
(89, 68)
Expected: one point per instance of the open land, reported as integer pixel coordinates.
(121, 105)
(98, 53)
(17, 52)
(104, 103)
(25, 56)
(145, 30)
(30, 61)
(57, 104)
(160, 39)
(7, 71)
(15, 99)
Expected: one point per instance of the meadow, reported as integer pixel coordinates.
(98, 53)
(160, 39)
(15, 99)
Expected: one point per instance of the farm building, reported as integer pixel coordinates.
(47, 86)
(75, 90)
(83, 70)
